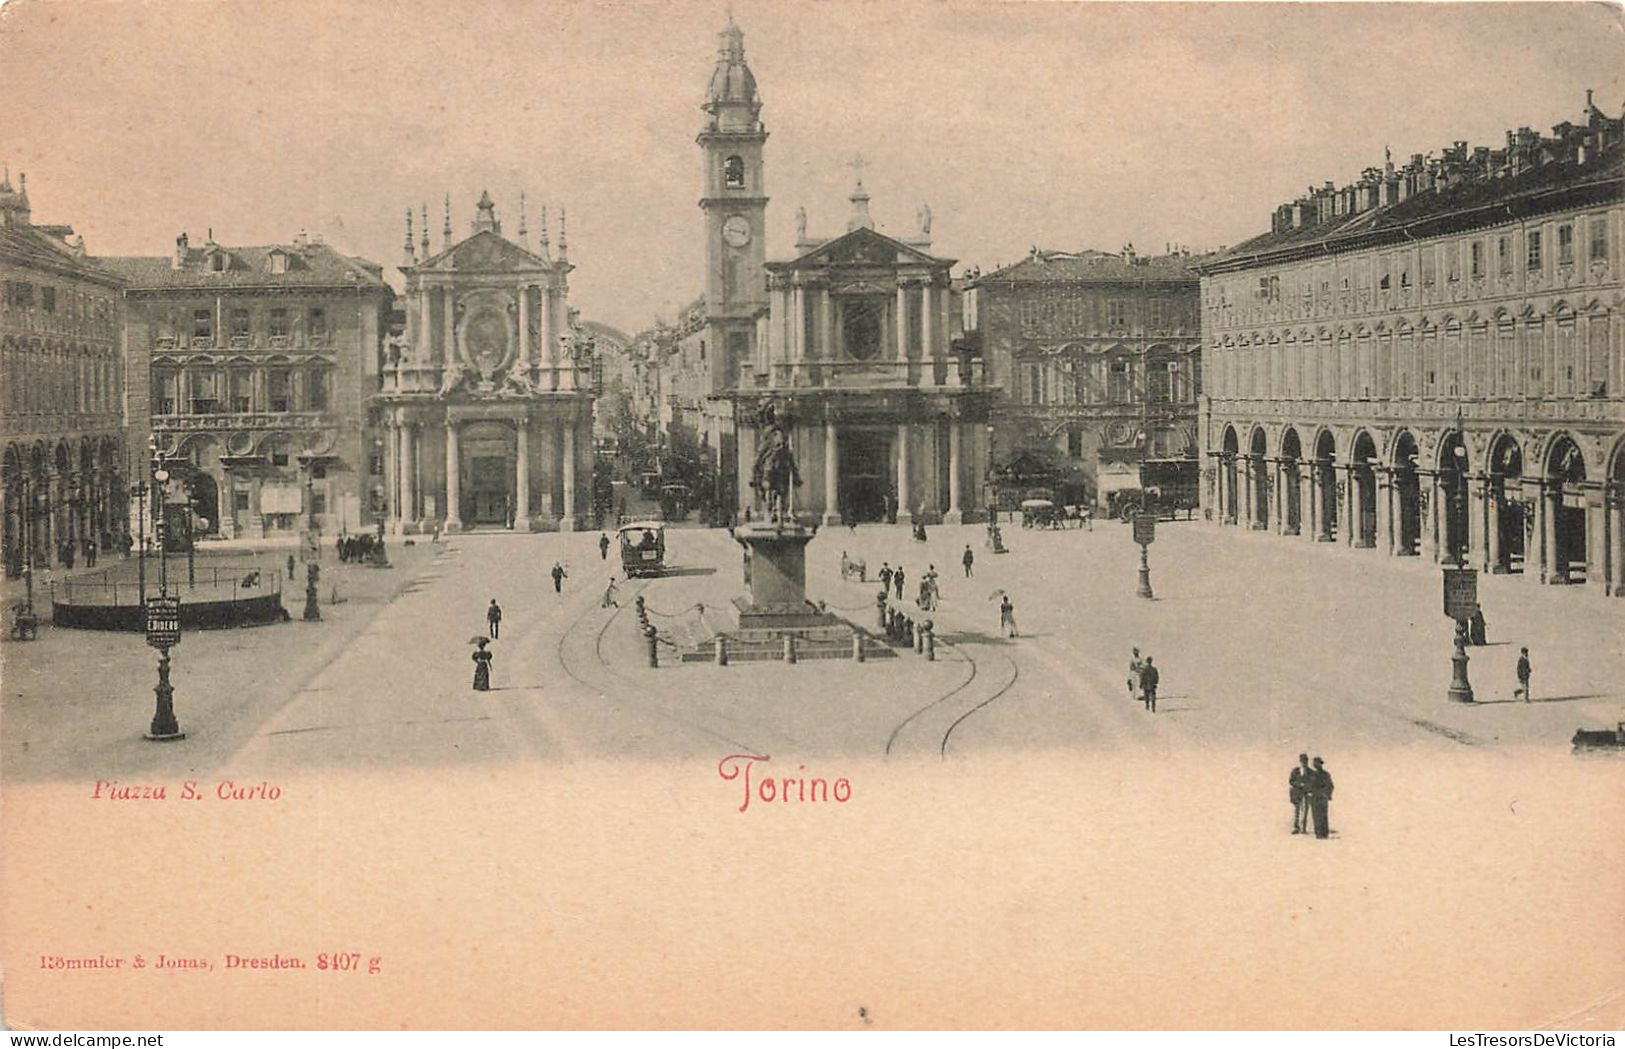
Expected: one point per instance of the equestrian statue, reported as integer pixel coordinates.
(775, 470)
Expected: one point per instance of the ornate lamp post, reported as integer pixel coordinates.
(995, 539)
(1145, 522)
(1460, 582)
(164, 727)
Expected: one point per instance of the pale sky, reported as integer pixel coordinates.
(1068, 126)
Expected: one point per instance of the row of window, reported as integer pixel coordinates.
(1069, 382)
(1392, 270)
(48, 383)
(278, 322)
(1505, 361)
(1078, 311)
(209, 391)
(68, 304)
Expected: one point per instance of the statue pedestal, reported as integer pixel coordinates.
(778, 578)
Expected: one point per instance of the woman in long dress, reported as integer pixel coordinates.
(482, 667)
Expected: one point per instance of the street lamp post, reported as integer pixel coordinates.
(164, 727)
(313, 611)
(28, 543)
(995, 538)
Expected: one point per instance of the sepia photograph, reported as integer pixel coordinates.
(840, 515)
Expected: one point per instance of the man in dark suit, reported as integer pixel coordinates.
(1298, 792)
(1320, 797)
(1149, 676)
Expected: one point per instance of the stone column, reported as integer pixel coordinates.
(1551, 500)
(448, 302)
(524, 329)
(1308, 520)
(521, 477)
(956, 513)
(1492, 528)
(1248, 496)
(902, 321)
(1534, 538)
(798, 324)
(409, 474)
(425, 330)
(832, 476)
(827, 323)
(392, 478)
(927, 323)
(454, 500)
(1351, 506)
(905, 508)
(1477, 546)
(1616, 545)
(550, 350)
(568, 522)
(1385, 510)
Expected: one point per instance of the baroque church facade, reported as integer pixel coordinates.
(485, 401)
(850, 340)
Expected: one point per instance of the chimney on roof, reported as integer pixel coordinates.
(180, 251)
(1297, 214)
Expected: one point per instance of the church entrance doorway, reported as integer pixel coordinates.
(865, 472)
(488, 494)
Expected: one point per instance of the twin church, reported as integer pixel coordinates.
(486, 400)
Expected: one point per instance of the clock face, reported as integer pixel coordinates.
(736, 231)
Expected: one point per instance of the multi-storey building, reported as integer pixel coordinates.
(65, 472)
(850, 339)
(1432, 361)
(253, 365)
(486, 403)
(1097, 356)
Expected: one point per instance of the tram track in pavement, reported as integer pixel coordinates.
(630, 684)
(928, 722)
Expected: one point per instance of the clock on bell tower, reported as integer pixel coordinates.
(735, 200)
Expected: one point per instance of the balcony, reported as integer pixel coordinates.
(242, 421)
(933, 373)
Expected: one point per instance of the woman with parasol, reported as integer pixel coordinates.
(482, 665)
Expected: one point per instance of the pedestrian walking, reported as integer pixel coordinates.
(290, 566)
(1135, 665)
(493, 619)
(1320, 797)
(1148, 684)
(90, 552)
(1523, 675)
(482, 666)
(885, 576)
(1007, 616)
(897, 581)
(603, 547)
(1297, 786)
(1477, 633)
(610, 595)
(969, 560)
(558, 577)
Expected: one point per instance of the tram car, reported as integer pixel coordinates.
(643, 548)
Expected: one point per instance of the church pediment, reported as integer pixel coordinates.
(484, 252)
(864, 247)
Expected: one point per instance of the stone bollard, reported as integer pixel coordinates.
(722, 651)
(880, 606)
(857, 646)
(654, 646)
(919, 636)
(908, 631)
(789, 648)
(929, 629)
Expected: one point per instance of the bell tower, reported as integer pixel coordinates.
(735, 200)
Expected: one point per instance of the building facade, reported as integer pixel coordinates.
(1097, 357)
(849, 339)
(65, 471)
(486, 403)
(1431, 362)
(252, 366)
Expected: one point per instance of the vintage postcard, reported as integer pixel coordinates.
(862, 515)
